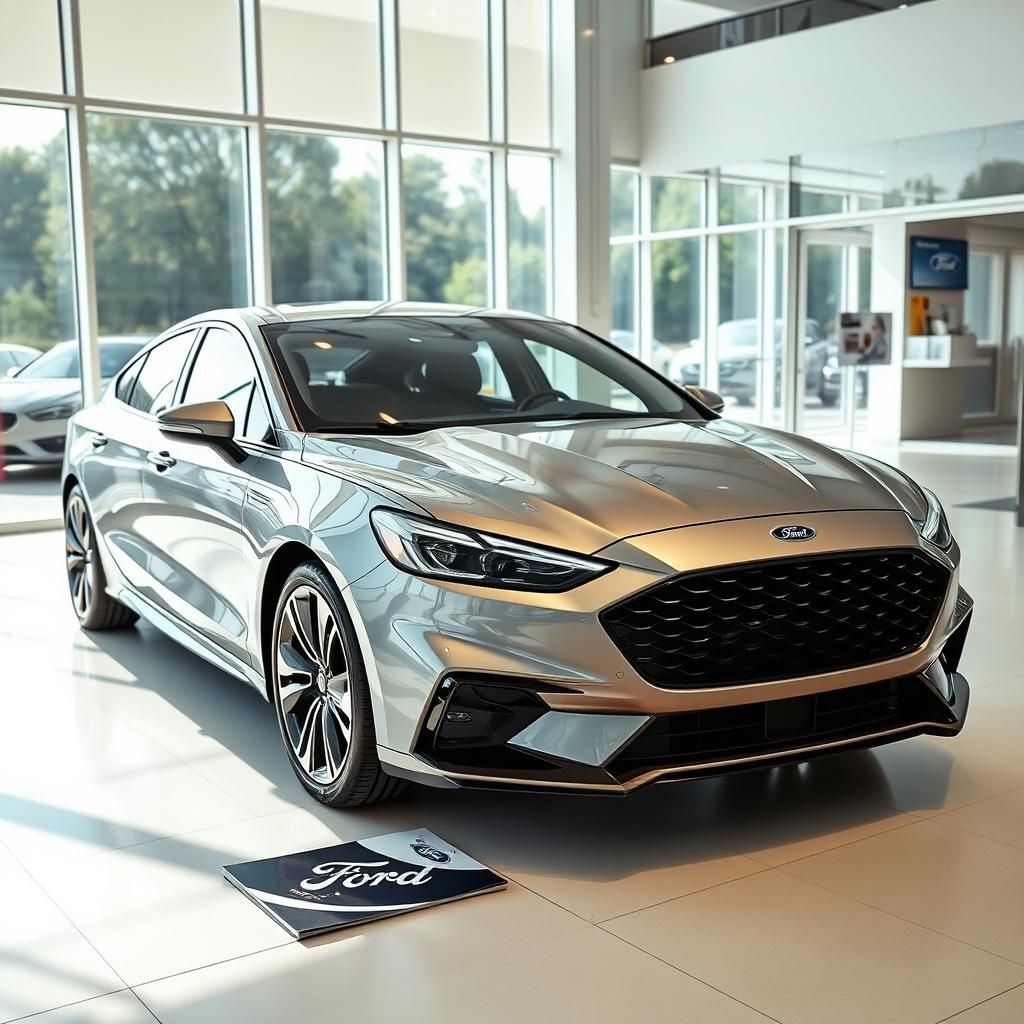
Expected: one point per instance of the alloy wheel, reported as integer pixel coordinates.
(313, 685)
(80, 555)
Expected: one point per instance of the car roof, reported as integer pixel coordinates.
(298, 311)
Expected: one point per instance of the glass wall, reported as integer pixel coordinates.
(187, 53)
(30, 58)
(37, 305)
(325, 198)
(444, 73)
(335, 43)
(970, 164)
(529, 230)
(169, 220)
(446, 217)
(266, 151)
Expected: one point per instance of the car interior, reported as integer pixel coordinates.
(400, 370)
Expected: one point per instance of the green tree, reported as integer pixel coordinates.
(169, 220)
(36, 304)
(675, 263)
(325, 229)
(445, 232)
(994, 178)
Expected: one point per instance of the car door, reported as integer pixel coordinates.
(194, 492)
(109, 446)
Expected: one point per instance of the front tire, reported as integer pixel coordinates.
(319, 687)
(95, 608)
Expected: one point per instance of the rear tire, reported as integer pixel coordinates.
(95, 608)
(320, 691)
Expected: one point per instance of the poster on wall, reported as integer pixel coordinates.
(864, 339)
(938, 263)
(338, 886)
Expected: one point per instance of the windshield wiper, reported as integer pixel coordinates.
(398, 427)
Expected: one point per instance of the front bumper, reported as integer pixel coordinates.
(551, 654)
(33, 442)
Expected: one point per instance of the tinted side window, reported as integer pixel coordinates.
(154, 385)
(224, 371)
(125, 383)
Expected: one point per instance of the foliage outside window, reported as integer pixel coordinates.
(446, 224)
(36, 286)
(325, 198)
(169, 220)
(529, 211)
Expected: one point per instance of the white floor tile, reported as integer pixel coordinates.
(957, 883)
(584, 975)
(44, 960)
(1007, 1008)
(596, 857)
(122, 1007)
(164, 907)
(66, 824)
(1000, 817)
(804, 955)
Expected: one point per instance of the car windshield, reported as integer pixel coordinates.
(394, 372)
(62, 362)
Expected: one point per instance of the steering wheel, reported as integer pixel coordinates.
(531, 400)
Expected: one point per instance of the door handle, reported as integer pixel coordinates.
(97, 440)
(162, 460)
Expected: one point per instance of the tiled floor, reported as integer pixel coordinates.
(868, 887)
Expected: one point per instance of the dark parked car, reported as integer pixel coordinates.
(738, 359)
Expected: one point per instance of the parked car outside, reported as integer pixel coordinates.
(739, 346)
(14, 357)
(37, 402)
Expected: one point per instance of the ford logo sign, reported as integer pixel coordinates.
(793, 533)
(945, 262)
(428, 852)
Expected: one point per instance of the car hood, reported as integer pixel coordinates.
(585, 485)
(22, 395)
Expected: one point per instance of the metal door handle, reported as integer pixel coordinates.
(97, 440)
(162, 460)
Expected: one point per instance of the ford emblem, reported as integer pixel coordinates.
(944, 261)
(793, 533)
(428, 852)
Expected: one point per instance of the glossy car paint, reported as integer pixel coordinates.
(194, 545)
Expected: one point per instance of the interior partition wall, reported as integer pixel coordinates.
(158, 159)
(733, 278)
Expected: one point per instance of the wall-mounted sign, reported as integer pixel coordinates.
(320, 890)
(864, 339)
(938, 263)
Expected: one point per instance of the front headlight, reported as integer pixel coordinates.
(935, 528)
(428, 548)
(55, 412)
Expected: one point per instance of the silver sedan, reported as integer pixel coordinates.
(467, 547)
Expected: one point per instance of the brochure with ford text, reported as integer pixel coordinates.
(338, 886)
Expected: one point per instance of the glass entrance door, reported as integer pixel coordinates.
(834, 271)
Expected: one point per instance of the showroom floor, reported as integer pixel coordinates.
(872, 886)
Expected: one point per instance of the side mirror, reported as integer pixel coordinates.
(712, 399)
(211, 421)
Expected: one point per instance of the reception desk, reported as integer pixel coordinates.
(933, 384)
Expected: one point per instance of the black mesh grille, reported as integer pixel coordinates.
(52, 444)
(747, 730)
(780, 619)
(7, 420)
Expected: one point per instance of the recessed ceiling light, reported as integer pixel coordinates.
(587, 33)
(322, 344)
(669, 60)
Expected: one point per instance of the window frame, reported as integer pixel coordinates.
(189, 366)
(142, 358)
